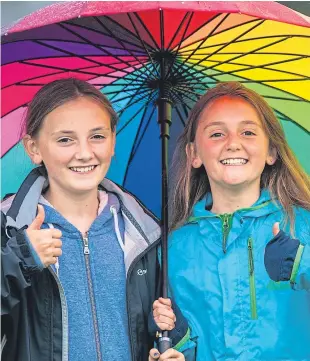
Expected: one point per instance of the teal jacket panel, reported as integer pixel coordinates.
(218, 279)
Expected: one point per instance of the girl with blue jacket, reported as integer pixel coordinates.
(78, 253)
(240, 220)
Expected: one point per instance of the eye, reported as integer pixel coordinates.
(248, 133)
(98, 136)
(64, 140)
(216, 135)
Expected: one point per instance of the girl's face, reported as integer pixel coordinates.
(231, 144)
(76, 144)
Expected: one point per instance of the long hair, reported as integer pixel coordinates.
(285, 180)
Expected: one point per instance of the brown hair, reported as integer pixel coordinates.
(285, 180)
(57, 93)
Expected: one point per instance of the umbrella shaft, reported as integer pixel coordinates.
(164, 119)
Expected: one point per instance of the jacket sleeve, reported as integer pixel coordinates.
(17, 265)
(187, 345)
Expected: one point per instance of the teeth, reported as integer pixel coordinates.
(82, 169)
(234, 161)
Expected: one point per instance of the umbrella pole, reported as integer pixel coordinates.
(164, 120)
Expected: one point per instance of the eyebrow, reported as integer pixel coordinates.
(73, 132)
(212, 124)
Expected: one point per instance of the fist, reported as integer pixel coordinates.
(46, 242)
(163, 314)
(169, 355)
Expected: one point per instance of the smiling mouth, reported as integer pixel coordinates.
(83, 169)
(234, 161)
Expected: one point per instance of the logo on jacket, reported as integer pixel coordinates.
(141, 272)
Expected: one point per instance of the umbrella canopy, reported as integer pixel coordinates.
(137, 52)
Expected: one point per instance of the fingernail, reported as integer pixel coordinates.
(156, 354)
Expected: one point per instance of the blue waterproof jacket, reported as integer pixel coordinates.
(218, 278)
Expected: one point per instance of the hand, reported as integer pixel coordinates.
(163, 314)
(169, 355)
(276, 229)
(46, 242)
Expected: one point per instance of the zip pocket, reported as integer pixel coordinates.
(252, 280)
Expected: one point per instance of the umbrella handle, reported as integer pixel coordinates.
(164, 342)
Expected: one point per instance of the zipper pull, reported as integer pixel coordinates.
(85, 241)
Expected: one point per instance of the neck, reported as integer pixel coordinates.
(229, 200)
(79, 209)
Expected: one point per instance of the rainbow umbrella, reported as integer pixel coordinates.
(140, 52)
(154, 60)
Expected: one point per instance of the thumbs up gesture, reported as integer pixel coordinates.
(280, 254)
(46, 242)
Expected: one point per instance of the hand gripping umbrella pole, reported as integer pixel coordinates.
(164, 120)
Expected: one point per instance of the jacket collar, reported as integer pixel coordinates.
(21, 208)
(263, 206)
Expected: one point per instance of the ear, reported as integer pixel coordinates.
(32, 149)
(272, 156)
(193, 156)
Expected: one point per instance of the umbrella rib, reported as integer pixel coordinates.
(199, 28)
(66, 70)
(290, 120)
(282, 98)
(102, 33)
(72, 54)
(252, 39)
(250, 52)
(180, 116)
(226, 44)
(122, 44)
(130, 103)
(266, 66)
(202, 41)
(179, 28)
(99, 48)
(178, 95)
(129, 96)
(180, 42)
(28, 79)
(136, 144)
(147, 30)
(244, 81)
(130, 119)
(161, 29)
(143, 44)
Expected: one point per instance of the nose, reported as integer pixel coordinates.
(84, 151)
(233, 143)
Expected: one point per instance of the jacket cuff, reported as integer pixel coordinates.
(296, 264)
(181, 326)
(33, 253)
(180, 330)
(280, 254)
(22, 247)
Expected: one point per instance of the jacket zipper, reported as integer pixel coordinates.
(226, 230)
(252, 280)
(91, 295)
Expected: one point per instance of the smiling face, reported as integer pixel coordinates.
(76, 144)
(231, 144)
